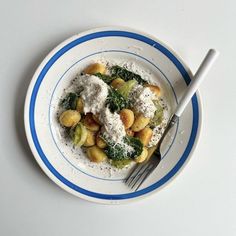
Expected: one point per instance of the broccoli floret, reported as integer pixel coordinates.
(117, 151)
(136, 144)
(69, 102)
(116, 101)
(117, 71)
(106, 78)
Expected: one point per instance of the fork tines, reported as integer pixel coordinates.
(139, 174)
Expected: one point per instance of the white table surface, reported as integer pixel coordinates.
(200, 201)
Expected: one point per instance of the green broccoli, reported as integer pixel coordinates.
(116, 101)
(117, 152)
(126, 75)
(69, 102)
(106, 78)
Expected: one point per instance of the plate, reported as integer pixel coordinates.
(60, 162)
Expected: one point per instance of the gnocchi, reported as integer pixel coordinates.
(100, 142)
(127, 117)
(95, 117)
(140, 122)
(130, 132)
(144, 135)
(155, 89)
(69, 118)
(96, 154)
(90, 123)
(151, 150)
(78, 134)
(95, 68)
(90, 140)
(117, 83)
(143, 156)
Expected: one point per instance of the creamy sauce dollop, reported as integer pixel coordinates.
(113, 126)
(94, 93)
(142, 99)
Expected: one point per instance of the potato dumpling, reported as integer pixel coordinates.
(95, 68)
(90, 140)
(69, 118)
(140, 122)
(95, 117)
(143, 156)
(90, 123)
(130, 132)
(117, 83)
(127, 117)
(80, 105)
(151, 150)
(144, 135)
(96, 154)
(100, 142)
(155, 89)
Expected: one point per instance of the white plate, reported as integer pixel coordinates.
(61, 163)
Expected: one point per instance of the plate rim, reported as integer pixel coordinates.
(28, 130)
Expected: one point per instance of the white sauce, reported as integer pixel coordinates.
(141, 99)
(113, 125)
(113, 128)
(156, 135)
(94, 93)
(104, 169)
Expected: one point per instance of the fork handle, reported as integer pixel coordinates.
(197, 79)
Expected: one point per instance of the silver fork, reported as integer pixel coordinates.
(141, 171)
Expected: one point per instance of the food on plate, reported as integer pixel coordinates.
(140, 122)
(113, 114)
(79, 105)
(155, 89)
(96, 118)
(96, 154)
(144, 135)
(69, 118)
(130, 132)
(127, 117)
(90, 123)
(90, 140)
(116, 83)
(100, 141)
(79, 134)
(95, 68)
(126, 75)
(143, 156)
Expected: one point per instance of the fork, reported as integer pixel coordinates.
(142, 171)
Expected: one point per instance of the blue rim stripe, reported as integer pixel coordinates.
(146, 40)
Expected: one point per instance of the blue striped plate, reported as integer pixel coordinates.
(68, 167)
